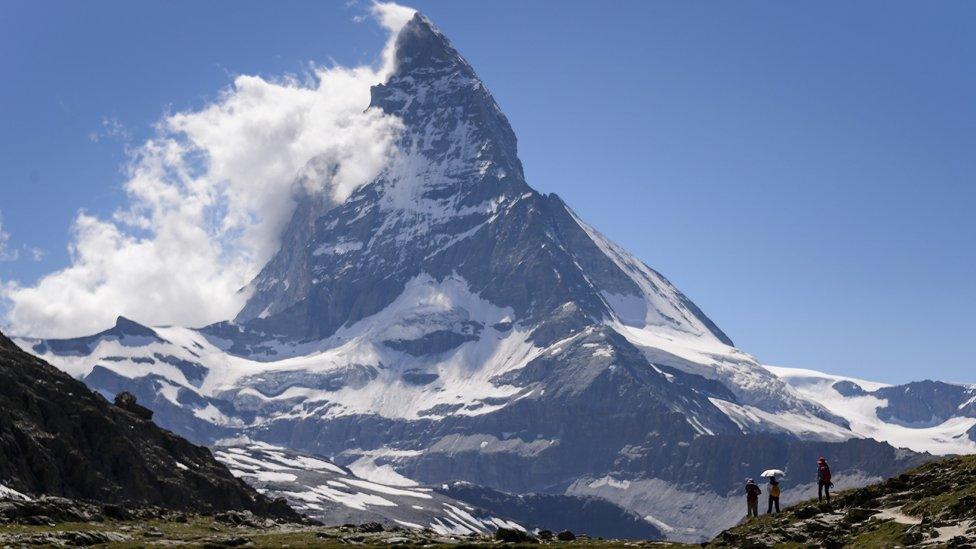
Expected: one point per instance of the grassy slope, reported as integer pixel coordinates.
(200, 531)
(939, 496)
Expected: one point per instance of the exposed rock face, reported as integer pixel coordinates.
(590, 515)
(925, 416)
(57, 437)
(926, 402)
(127, 332)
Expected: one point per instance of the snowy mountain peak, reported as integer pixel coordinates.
(451, 117)
(447, 321)
(420, 45)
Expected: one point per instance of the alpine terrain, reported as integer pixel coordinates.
(58, 438)
(930, 506)
(447, 323)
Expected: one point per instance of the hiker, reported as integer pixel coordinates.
(823, 480)
(773, 495)
(752, 498)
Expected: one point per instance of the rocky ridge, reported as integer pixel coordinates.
(932, 505)
(59, 438)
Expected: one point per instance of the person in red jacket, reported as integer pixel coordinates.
(823, 480)
(752, 498)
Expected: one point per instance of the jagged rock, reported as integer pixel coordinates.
(938, 512)
(960, 542)
(965, 507)
(511, 535)
(127, 401)
(59, 438)
(555, 511)
(566, 535)
(117, 512)
(230, 542)
(47, 509)
(66, 538)
(237, 518)
(816, 526)
(805, 512)
(858, 514)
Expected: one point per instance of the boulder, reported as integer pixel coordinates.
(127, 401)
(511, 535)
(566, 535)
(859, 514)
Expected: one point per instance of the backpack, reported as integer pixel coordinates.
(774, 490)
(824, 472)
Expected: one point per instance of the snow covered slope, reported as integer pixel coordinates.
(926, 416)
(448, 322)
(334, 495)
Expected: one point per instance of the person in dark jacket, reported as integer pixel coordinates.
(752, 498)
(823, 480)
(773, 495)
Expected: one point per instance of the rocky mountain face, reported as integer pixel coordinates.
(448, 322)
(594, 516)
(929, 416)
(931, 506)
(59, 438)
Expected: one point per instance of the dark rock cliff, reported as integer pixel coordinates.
(59, 438)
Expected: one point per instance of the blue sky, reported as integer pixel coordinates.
(803, 171)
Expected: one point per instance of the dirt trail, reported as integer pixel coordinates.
(895, 514)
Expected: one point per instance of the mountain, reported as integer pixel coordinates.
(931, 506)
(926, 416)
(448, 322)
(593, 516)
(59, 438)
(334, 495)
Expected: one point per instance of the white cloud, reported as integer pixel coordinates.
(392, 17)
(208, 197)
(6, 254)
(110, 128)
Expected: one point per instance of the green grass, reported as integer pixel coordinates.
(888, 534)
(934, 504)
(199, 531)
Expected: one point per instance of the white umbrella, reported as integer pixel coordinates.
(773, 473)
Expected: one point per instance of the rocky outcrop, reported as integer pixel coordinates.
(932, 505)
(127, 401)
(59, 438)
